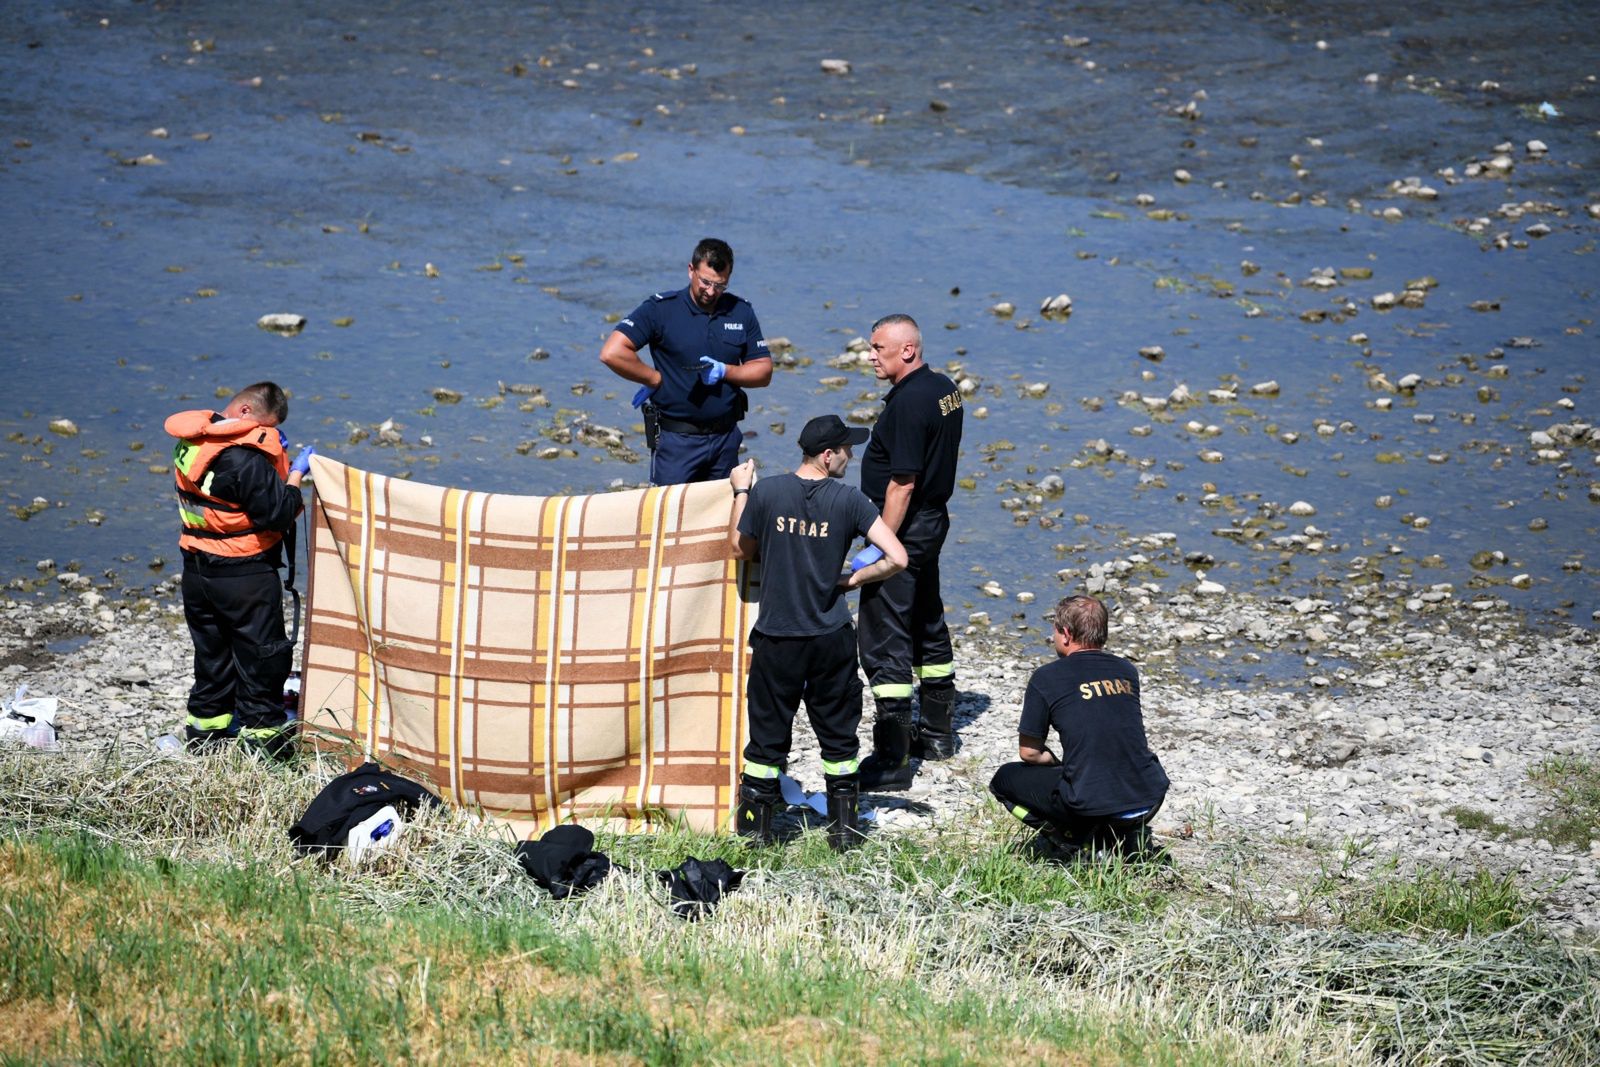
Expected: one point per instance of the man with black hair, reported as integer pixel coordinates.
(802, 526)
(706, 349)
(909, 472)
(1107, 785)
(237, 496)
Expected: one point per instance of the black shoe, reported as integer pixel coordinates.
(1142, 847)
(206, 742)
(752, 819)
(936, 737)
(844, 814)
(887, 767)
(275, 744)
(1049, 846)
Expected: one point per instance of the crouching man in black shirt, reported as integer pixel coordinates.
(1107, 785)
(801, 526)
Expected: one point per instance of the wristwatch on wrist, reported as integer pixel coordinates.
(741, 492)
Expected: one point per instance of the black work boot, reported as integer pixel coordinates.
(936, 737)
(273, 743)
(1051, 845)
(887, 767)
(758, 800)
(206, 742)
(844, 813)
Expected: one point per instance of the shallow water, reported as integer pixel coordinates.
(967, 159)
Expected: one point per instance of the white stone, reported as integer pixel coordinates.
(285, 323)
(1058, 306)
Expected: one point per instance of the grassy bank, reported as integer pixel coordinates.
(153, 911)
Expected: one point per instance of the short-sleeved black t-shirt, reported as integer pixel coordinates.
(805, 528)
(918, 433)
(679, 332)
(1091, 698)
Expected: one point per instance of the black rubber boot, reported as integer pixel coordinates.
(887, 767)
(273, 743)
(936, 737)
(206, 742)
(1050, 845)
(844, 813)
(758, 800)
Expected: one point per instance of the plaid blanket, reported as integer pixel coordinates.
(546, 658)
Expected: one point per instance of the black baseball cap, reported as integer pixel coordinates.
(829, 431)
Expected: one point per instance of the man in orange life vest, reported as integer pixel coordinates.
(237, 496)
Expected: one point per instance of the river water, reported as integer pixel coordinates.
(458, 196)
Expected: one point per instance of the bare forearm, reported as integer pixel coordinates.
(753, 375)
(619, 355)
(1032, 750)
(897, 502)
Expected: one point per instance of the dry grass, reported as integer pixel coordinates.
(860, 958)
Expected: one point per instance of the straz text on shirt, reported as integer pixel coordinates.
(790, 524)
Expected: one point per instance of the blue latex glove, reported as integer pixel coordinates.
(865, 558)
(711, 371)
(283, 440)
(302, 462)
(645, 393)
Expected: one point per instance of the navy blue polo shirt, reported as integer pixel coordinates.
(679, 332)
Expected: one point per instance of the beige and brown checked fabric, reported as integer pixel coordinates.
(547, 658)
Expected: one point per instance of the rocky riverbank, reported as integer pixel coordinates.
(1402, 724)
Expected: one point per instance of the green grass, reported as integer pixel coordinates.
(1574, 785)
(133, 961)
(151, 910)
(1573, 820)
(1431, 899)
(1474, 818)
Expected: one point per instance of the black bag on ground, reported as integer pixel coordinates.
(349, 800)
(564, 862)
(697, 886)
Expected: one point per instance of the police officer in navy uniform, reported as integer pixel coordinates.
(909, 472)
(1106, 786)
(706, 349)
(801, 526)
(238, 494)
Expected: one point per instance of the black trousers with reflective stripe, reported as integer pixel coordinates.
(241, 656)
(821, 670)
(1028, 791)
(902, 617)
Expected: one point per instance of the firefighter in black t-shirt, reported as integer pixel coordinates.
(801, 526)
(909, 471)
(1107, 785)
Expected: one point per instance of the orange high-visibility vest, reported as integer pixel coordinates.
(211, 524)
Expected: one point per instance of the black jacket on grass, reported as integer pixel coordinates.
(348, 800)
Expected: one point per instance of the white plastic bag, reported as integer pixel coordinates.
(31, 720)
(373, 835)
